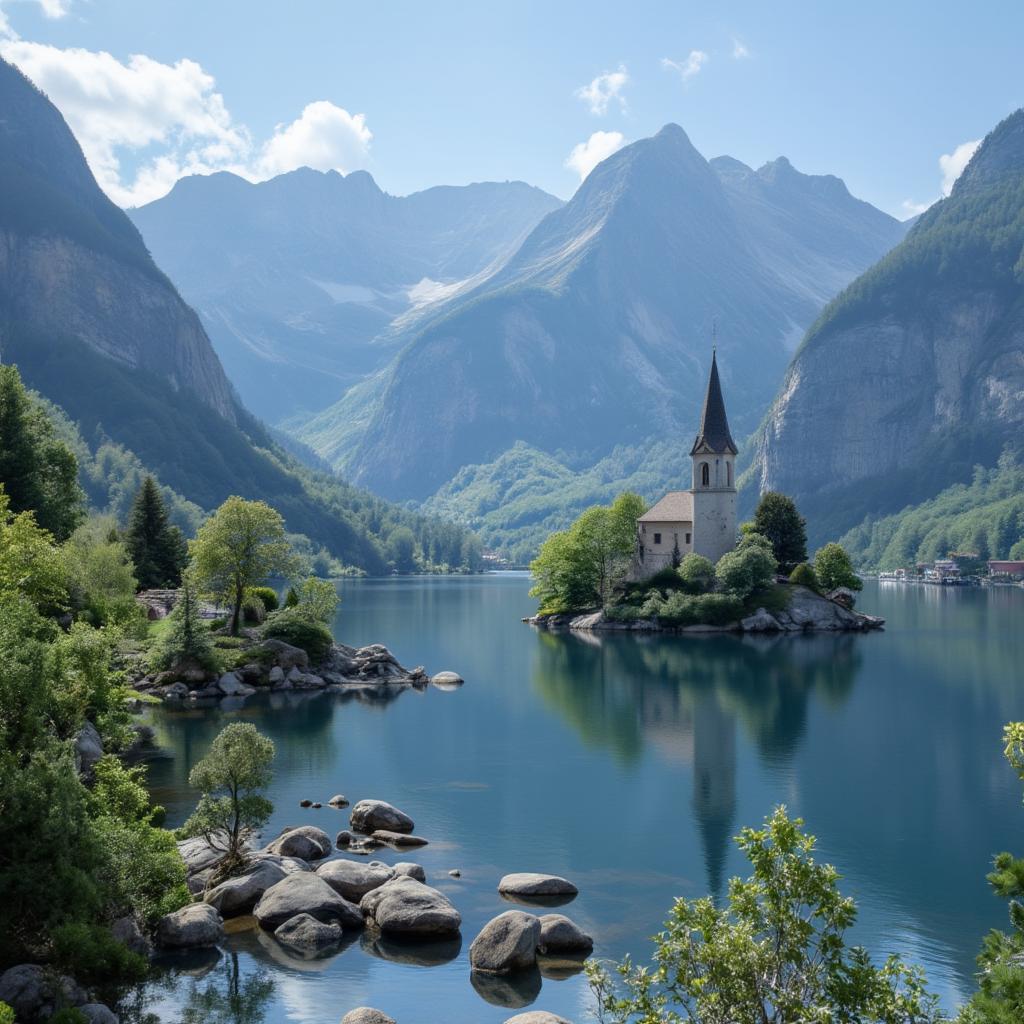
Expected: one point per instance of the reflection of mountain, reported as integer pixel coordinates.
(682, 697)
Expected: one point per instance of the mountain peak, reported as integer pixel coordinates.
(999, 156)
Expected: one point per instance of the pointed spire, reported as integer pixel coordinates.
(714, 433)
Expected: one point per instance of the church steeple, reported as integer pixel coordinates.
(714, 438)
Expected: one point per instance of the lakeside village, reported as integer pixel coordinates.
(960, 569)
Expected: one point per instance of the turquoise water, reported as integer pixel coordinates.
(626, 764)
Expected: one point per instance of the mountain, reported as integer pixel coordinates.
(915, 373)
(297, 279)
(597, 331)
(97, 329)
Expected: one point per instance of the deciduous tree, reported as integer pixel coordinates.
(833, 568)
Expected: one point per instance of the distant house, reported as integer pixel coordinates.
(703, 518)
(1008, 569)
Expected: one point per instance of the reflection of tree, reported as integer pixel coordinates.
(225, 997)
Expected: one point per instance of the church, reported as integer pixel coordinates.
(702, 519)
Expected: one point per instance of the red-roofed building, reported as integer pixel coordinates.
(1010, 569)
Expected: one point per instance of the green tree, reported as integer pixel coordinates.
(697, 572)
(37, 469)
(777, 519)
(231, 779)
(186, 638)
(243, 544)
(31, 564)
(158, 549)
(833, 568)
(101, 574)
(402, 549)
(1000, 995)
(775, 955)
(803, 575)
(751, 567)
(319, 599)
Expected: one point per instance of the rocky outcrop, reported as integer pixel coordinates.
(506, 944)
(305, 893)
(370, 815)
(192, 927)
(308, 935)
(405, 907)
(35, 993)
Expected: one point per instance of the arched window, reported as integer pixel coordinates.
(728, 473)
(705, 475)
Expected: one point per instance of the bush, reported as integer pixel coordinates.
(623, 612)
(253, 610)
(698, 573)
(90, 954)
(833, 568)
(268, 595)
(6, 1014)
(291, 599)
(296, 627)
(803, 575)
(680, 609)
(749, 568)
(69, 1015)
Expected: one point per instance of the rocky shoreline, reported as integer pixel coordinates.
(806, 612)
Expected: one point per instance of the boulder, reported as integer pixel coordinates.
(507, 943)
(338, 800)
(276, 675)
(404, 906)
(306, 842)
(304, 893)
(289, 865)
(35, 993)
(199, 855)
(366, 1015)
(410, 870)
(536, 1017)
(281, 654)
(230, 685)
(382, 835)
(198, 924)
(97, 1013)
(126, 930)
(343, 838)
(560, 935)
(239, 895)
(352, 880)
(447, 679)
(533, 885)
(176, 691)
(762, 621)
(306, 934)
(88, 748)
(370, 815)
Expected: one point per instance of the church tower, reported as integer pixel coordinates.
(714, 476)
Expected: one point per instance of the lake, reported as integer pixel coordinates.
(626, 764)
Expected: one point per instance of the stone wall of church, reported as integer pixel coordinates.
(714, 522)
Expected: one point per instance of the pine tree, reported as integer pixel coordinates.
(186, 639)
(157, 548)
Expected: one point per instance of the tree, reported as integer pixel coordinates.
(803, 575)
(101, 575)
(243, 544)
(186, 638)
(1000, 995)
(319, 599)
(749, 568)
(31, 564)
(777, 519)
(402, 549)
(231, 778)
(158, 549)
(697, 572)
(833, 568)
(38, 471)
(776, 954)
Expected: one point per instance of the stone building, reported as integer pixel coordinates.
(703, 518)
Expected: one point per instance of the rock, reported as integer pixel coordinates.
(397, 838)
(35, 993)
(199, 855)
(239, 895)
(276, 675)
(353, 880)
(305, 803)
(410, 870)
(558, 934)
(97, 1013)
(762, 621)
(198, 924)
(536, 1017)
(307, 934)
(529, 884)
(176, 691)
(306, 842)
(88, 749)
(289, 865)
(507, 943)
(366, 1015)
(404, 906)
(447, 679)
(370, 815)
(126, 930)
(316, 805)
(281, 654)
(338, 801)
(455, 873)
(230, 685)
(304, 893)
(344, 838)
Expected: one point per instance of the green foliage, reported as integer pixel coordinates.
(580, 568)
(296, 626)
(241, 545)
(101, 576)
(681, 609)
(803, 575)
(37, 470)
(777, 519)
(186, 637)
(91, 955)
(267, 595)
(751, 567)
(291, 599)
(31, 564)
(6, 1014)
(319, 599)
(775, 954)
(157, 548)
(401, 549)
(231, 778)
(1000, 998)
(69, 1015)
(697, 572)
(833, 568)
(986, 516)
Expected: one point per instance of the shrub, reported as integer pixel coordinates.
(291, 599)
(6, 1014)
(69, 1015)
(296, 627)
(698, 573)
(253, 610)
(803, 575)
(717, 609)
(833, 568)
(748, 568)
(319, 599)
(268, 595)
(623, 612)
(680, 609)
(92, 955)
(665, 579)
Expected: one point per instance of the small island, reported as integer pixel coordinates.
(684, 566)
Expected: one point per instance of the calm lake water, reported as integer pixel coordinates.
(627, 764)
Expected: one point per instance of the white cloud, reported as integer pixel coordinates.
(169, 120)
(739, 51)
(52, 9)
(912, 209)
(689, 67)
(603, 90)
(585, 156)
(952, 164)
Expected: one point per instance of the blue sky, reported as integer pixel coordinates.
(441, 92)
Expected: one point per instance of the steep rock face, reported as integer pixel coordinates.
(597, 331)
(916, 372)
(72, 264)
(298, 279)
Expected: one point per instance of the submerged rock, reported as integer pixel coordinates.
(533, 885)
(338, 801)
(397, 838)
(506, 944)
(447, 679)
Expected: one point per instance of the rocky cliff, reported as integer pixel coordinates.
(916, 372)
